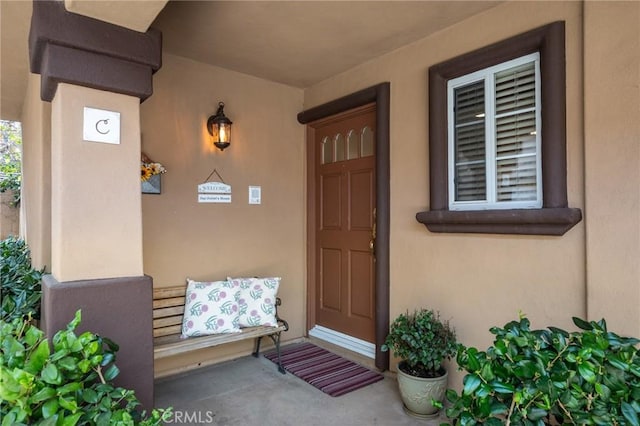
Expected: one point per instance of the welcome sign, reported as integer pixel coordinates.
(214, 192)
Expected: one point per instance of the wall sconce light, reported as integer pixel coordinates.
(219, 127)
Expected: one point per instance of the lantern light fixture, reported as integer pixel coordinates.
(219, 127)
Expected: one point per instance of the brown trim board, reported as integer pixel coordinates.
(380, 94)
(70, 48)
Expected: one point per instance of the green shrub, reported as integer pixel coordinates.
(538, 377)
(20, 284)
(67, 383)
(422, 341)
(11, 158)
(12, 183)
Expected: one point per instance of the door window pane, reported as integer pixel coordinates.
(327, 152)
(339, 146)
(352, 145)
(367, 142)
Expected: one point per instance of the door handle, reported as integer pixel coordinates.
(372, 241)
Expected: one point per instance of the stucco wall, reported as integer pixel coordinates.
(9, 216)
(476, 281)
(183, 238)
(35, 204)
(612, 154)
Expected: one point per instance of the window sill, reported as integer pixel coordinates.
(545, 221)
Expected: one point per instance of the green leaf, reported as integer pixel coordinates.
(471, 383)
(42, 395)
(635, 370)
(113, 346)
(32, 335)
(603, 390)
(68, 404)
(467, 420)
(536, 414)
(84, 365)
(38, 358)
(71, 420)
(499, 408)
(451, 395)
(487, 372)
(559, 331)
(111, 373)
(69, 387)
(90, 396)
(630, 414)
(582, 324)
(107, 358)
(51, 421)
(586, 370)
(473, 364)
(50, 408)
(51, 375)
(104, 419)
(501, 387)
(68, 363)
(76, 320)
(9, 419)
(615, 361)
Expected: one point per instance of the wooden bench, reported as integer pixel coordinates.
(168, 309)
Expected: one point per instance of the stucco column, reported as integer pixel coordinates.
(35, 203)
(96, 218)
(612, 163)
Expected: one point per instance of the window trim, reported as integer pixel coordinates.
(555, 217)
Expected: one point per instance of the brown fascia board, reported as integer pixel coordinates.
(95, 54)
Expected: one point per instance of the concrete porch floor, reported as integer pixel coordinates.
(251, 392)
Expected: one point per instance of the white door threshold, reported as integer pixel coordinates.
(344, 340)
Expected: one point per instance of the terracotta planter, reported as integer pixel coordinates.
(417, 393)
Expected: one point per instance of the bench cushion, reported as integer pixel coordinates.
(210, 308)
(256, 300)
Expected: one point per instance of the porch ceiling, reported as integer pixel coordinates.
(298, 43)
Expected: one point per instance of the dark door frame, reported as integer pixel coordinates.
(380, 94)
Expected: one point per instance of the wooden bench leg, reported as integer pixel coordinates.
(276, 341)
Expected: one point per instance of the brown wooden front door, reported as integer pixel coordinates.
(345, 217)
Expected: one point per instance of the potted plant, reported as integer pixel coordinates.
(422, 341)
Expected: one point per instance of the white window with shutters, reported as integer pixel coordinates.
(494, 137)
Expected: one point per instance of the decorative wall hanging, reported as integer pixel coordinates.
(213, 191)
(150, 175)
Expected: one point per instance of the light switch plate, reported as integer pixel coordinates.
(255, 195)
(100, 125)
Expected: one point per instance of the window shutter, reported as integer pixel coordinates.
(469, 140)
(516, 139)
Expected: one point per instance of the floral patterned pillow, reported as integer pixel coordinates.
(210, 308)
(257, 300)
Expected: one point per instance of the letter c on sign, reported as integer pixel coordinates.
(100, 124)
